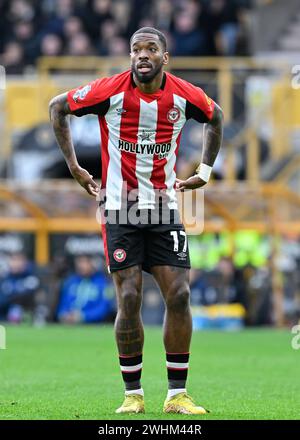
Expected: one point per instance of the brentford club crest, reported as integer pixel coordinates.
(119, 255)
(173, 115)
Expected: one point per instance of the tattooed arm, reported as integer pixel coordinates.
(59, 115)
(213, 133)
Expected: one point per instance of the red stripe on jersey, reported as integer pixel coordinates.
(176, 152)
(104, 150)
(128, 131)
(164, 132)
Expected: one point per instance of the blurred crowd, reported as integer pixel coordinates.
(68, 292)
(32, 28)
(79, 290)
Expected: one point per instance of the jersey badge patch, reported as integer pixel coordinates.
(119, 255)
(173, 115)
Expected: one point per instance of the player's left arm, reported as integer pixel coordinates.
(212, 140)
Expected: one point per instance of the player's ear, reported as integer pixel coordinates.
(166, 58)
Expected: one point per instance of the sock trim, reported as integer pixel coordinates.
(133, 361)
(186, 352)
(177, 365)
(131, 368)
(173, 392)
(129, 355)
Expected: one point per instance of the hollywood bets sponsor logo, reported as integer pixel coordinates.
(173, 115)
(119, 255)
(161, 150)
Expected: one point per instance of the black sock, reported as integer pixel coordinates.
(131, 368)
(177, 366)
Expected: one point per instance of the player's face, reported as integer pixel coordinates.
(147, 56)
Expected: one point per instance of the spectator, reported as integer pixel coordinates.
(121, 16)
(80, 45)
(201, 292)
(21, 292)
(52, 276)
(193, 27)
(146, 22)
(51, 45)
(94, 15)
(229, 282)
(187, 37)
(117, 46)
(24, 33)
(107, 32)
(20, 10)
(13, 58)
(163, 12)
(55, 23)
(258, 287)
(222, 27)
(223, 285)
(72, 26)
(85, 295)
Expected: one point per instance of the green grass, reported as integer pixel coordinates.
(73, 373)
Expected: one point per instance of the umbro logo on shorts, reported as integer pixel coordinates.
(119, 255)
(182, 255)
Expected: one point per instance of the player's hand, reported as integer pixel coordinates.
(85, 179)
(190, 183)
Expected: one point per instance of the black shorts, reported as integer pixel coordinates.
(147, 244)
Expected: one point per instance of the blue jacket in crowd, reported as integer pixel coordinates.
(91, 296)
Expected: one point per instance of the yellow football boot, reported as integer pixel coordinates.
(133, 403)
(182, 403)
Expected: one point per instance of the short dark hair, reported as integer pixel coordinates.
(151, 30)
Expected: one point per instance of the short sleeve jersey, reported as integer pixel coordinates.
(140, 133)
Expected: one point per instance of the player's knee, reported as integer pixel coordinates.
(178, 299)
(130, 301)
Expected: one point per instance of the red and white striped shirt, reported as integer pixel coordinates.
(140, 133)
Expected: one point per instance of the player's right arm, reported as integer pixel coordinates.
(60, 112)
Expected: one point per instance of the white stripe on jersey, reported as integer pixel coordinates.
(144, 162)
(171, 159)
(114, 173)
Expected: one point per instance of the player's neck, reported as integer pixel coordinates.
(150, 87)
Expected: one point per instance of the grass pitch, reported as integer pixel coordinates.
(60, 372)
